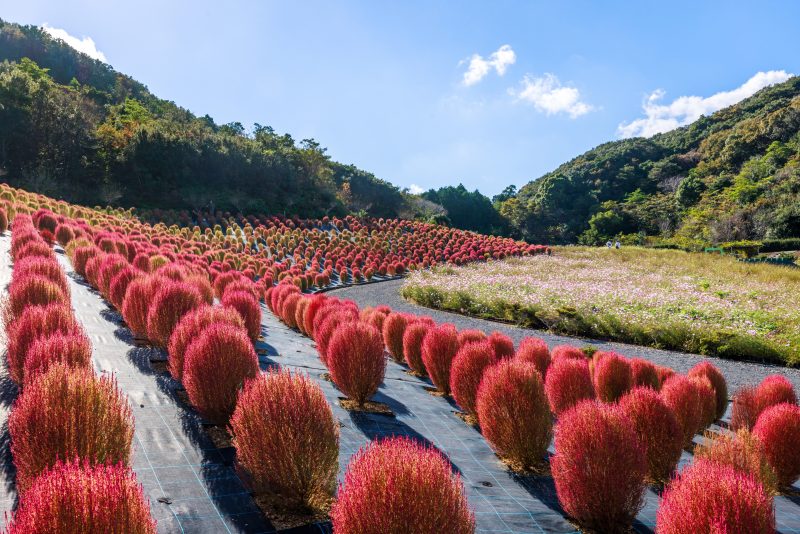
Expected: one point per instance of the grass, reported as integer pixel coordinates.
(700, 303)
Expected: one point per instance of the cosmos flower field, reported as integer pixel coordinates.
(698, 303)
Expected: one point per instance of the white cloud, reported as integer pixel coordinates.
(549, 96)
(479, 67)
(85, 44)
(687, 109)
(414, 189)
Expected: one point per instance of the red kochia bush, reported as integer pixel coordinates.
(513, 412)
(287, 439)
(612, 377)
(773, 390)
(470, 336)
(599, 467)
(81, 256)
(110, 266)
(136, 304)
(567, 351)
(503, 345)
(412, 345)
(438, 350)
(289, 308)
(469, 365)
(778, 430)
(201, 284)
(248, 307)
(356, 361)
(644, 373)
(190, 326)
(78, 497)
(749, 402)
(216, 366)
(398, 485)
(567, 382)
(712, 497)
(657, 427)
(317, 302)
(73, 349)
(171, 302)
(394, 326)
(119, 285)
(534, 350)
(740, 450)
(34, 323)
(684, 396)
(300, 313)
(34, 249)
(68, 413)
(324, 331)
(33, 290)
(714, 376)
(745, 409)
(48, 268)
(707, 399)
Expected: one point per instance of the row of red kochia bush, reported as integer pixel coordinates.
(70, 430)
(309, 258)
(283, 429)
(621, 423)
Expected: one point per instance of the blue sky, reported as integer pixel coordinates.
(432, 93)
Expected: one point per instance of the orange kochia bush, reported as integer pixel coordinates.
(287, 439)
(79, 497)
(68, 412)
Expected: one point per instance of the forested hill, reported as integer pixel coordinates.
(733, 175)
(73, 127)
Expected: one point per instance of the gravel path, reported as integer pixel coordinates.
(737, 373)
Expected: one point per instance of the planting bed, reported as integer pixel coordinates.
(564, 437)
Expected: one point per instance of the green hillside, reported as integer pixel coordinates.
(73, 127)
(734, 175)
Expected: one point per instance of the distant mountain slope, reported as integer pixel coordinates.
(73, 127)
(730, 176)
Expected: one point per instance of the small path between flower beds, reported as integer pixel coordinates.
(191, 485)
(8, 392)
(736, 373)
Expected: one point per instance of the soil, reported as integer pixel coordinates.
(219, 436)
(415, 374)
(183, 397)
(368, 407)
(160, 366)
(281, 517)
(435, 392)
(541, 470)
(469, 419)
